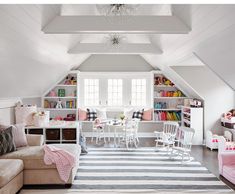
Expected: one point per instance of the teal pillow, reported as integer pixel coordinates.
(6, 141)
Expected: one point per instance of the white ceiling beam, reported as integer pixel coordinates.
(116, 24)
(126, 48)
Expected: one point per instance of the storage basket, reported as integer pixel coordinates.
(41, 120)
(52, 134)
(25, 114)
(69, 134)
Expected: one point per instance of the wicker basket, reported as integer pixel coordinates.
(25, 114)
(52, 134)
(69, 134)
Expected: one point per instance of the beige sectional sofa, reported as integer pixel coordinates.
(11, 176)
(33, 170)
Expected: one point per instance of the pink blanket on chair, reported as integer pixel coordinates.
(63, 160)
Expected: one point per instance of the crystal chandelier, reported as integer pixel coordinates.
(117, 9)
(115, 40)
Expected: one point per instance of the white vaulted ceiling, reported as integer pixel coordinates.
(31, 60)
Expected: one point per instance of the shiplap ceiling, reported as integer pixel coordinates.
(31, 60)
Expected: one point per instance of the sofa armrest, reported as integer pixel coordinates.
(226, 158)
(35, 140)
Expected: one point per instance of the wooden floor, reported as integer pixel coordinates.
(202, 154)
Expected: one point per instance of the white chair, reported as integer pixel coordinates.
(129, 134)
(98, 132)
(185, 139)
(212, 140)
(228, 136)
(167, 137)
(225, 146)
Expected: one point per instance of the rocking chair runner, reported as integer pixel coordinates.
(168, 135)
(185, 139)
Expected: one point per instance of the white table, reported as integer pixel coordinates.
(112, 127)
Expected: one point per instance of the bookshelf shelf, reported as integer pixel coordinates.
(62, 99)
(165, 96)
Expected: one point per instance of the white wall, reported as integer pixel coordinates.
(7, 110)
(113, 63)
(218, 96)
(32, 101)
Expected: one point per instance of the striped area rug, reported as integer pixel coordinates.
(116, 170)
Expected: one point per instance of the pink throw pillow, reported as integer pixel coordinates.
(82, 115)
(147, 116)
(18, 131)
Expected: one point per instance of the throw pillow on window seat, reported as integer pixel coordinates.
(147, 115)
(138, 114)
(82, 115)
(128, 113)
(101, 114)
(91, 114)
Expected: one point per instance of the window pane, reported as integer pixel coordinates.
(138, 92)
(115, 92)
(91, 92)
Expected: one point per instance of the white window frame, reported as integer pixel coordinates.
(138, 92)
(91, 87)
(115, 92)
(103, 87)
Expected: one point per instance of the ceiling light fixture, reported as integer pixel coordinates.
(115, 40)
(117, 9)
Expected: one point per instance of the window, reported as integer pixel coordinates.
(115, 92)
(138, 92)
(91, 92)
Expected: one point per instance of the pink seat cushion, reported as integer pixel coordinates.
(229, 173)
(147, 115)
(82, 115)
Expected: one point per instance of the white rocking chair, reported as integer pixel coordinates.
(167, 137)
(185, 138)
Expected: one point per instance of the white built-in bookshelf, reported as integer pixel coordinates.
(64, 92)
(193, 117)
(167, 99)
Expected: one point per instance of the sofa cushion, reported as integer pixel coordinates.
(33, 156)
(19, 135)
(6, 141)
(9, 169)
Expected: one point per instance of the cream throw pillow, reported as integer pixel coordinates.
(101, 113)
(128, 112)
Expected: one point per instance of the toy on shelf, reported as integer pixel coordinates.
(46, 104)
(162, 80)
(59, 104)
(70, 104)
(61, 92)
(52, 93)
(70, 80)
(58, 118)
(168, 116)
(70, 117)
(163, 93)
